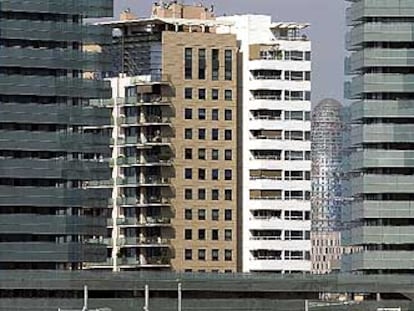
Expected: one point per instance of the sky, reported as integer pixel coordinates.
(327, 32)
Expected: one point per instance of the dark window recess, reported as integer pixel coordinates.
(202, 64)
(188, 93)
(227, 135)
(215, 64)
(228, 63)
(215, 154)
(202, 94)
(228, 116)
(215, 114)
(188, 67)
(228, 95)
(214, 134)
(201, 114)
(214, 94)
(188, 133)
(201, 133)
(188, 194)
(188, 113)
(201, 194)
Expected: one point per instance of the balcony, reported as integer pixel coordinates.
(147, 100)
(147, 161)
(153, 201)
(148, 181)
(148, 221)
(143, 242)
(142, 262)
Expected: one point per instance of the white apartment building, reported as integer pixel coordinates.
(276, 68)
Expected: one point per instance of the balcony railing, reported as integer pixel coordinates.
(267, 198)
(265, 238)
(156, 241)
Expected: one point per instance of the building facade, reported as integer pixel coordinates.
(49, 218)
(175, 120)
(275, 146)
(382, 175)
(327, 137)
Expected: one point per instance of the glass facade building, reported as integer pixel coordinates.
(49, 214)
(327, 192)
(381, 217)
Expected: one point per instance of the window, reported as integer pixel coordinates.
(214, 154)
(228, 195)
(201, 114)
(228, 236)
(201, 133)
(307, 115)
(228, 115)
(188, 113)
(215, 114)
(201, 254)
(188, 194)
(214, 254)
(188, 214)
(188, 234)
(228, 94)
(215, 63)
(201, 174)
(214, 134)
(307, 75)
(228, 63)
(227, 135)
(228, 255)
(214, 94)
(308, 56)
(201, 154)
(188, 93)
(201, 234)
(215, 194)
(228, 155)
(188, 153)
(188, 254)
(202, 64)
(228, 215)
(188, 173)
(294, 115)
(215, 174)
(188, 133)
(201, 94)
(201, 194)
(201, 214)
(215, 234)
(227, 174)
(215, 214)
(188, 66)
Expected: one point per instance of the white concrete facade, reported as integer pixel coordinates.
(276, 144)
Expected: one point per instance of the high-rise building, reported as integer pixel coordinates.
(327, 137)
(380, 41)
(275, 144)
(47, 156)
(174, 202)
